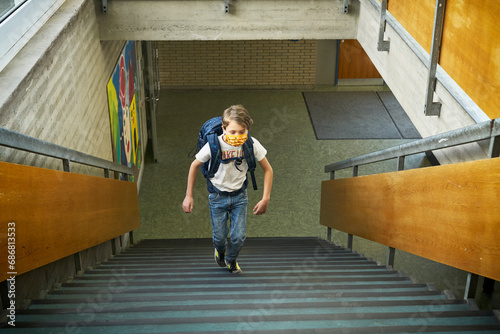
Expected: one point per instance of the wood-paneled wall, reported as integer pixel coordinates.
(449, 214)
(470, 51)
(354, 63)
(53, 214)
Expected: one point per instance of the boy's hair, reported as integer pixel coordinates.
(238, 114)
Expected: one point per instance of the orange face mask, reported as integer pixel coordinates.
(237, 140)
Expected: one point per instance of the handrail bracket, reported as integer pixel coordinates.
(434, 108)
(382, 45)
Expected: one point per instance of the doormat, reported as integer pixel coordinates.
(358, 115)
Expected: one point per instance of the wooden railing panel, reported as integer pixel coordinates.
(57, 214)
(449, 214)
(417, 17)
(470, 51)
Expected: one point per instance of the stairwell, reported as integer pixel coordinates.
(289, 285)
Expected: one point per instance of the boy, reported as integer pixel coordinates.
(228, 195)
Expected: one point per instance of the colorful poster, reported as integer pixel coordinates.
(123, 113)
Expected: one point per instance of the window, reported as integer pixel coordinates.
(19, 21)
(8, 7)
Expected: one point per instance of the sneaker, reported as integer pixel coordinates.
(219, 258)
(233, 267)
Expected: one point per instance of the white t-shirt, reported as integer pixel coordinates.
(230, 177)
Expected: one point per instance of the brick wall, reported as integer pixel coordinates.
(237, 64)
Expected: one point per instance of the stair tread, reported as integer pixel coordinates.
(289, 321)
(289, 285)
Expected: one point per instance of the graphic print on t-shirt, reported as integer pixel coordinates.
(232, 154)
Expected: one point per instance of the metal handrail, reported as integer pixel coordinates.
(12, 139)
(449, 84)
(474, 133)
(469, 134)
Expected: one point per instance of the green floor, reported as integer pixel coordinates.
(282, 125)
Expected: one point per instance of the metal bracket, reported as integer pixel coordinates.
(433, 108)
(345, 9)
(226, 6)
(382, 45)
(104, 6)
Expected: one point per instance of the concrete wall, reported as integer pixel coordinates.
(326, 60)
(406, 75)
(246, 20)
(55, 90)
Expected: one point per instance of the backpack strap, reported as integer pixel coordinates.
(216, 154)
(250, 158)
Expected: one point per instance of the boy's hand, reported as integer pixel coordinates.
(187, 204)
(261, 207)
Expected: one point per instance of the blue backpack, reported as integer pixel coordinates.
(209, 133)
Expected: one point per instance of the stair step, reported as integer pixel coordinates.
(162, 317)
(145, 321)
(224, 276)
(285, 308)
(289, 285)
(218, 290)
(165, 305)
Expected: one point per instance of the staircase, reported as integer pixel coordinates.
(289, 285)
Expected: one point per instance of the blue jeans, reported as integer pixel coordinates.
(234, 208)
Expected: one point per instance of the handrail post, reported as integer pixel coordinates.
(390, 256)
(329, 229)
(494, 149)
(113, 246)
(493, 152)
(131, 237)
(434, 108)
(355, 169)
(488, 285)
(4, 294)
(471, 286)
(77, 257)
(382, 45)
(401, 163)
(66, 166)
(391, 253)
(350, 237)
